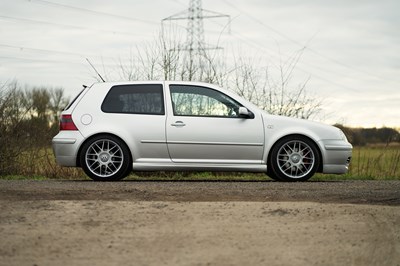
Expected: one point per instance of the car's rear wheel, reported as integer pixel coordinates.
(105, 158)
(293, 158)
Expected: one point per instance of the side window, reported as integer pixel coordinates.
(202, 101)
(135, 99)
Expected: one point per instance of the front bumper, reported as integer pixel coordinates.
(336, 156)
(66, 146)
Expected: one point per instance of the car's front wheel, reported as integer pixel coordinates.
(293, 158)
(105, 158)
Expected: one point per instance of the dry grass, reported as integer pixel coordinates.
(378, 162)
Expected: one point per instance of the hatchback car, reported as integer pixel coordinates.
(110, 129)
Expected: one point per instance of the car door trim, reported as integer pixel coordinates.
(215, 143)
(154, 141)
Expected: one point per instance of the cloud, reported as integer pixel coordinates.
(351, 57)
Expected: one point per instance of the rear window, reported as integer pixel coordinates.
(135, 99)
(72, 102)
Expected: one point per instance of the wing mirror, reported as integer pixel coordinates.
(245, 113)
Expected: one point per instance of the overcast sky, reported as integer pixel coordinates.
(352, 54)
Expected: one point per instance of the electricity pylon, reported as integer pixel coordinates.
(195, 44)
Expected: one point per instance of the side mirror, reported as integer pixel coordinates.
(245, 113)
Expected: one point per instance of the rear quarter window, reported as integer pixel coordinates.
(135, 99)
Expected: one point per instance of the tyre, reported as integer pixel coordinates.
(272, 175)
(105, 158)
(293, 158)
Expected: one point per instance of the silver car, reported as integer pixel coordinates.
(110, 129)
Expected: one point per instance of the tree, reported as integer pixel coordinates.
(364, 136)
(13, 110)
(28, 121)
(276, 96)
(165, 60)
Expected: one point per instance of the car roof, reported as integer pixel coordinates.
(178, 82)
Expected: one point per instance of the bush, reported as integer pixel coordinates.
(28, 121)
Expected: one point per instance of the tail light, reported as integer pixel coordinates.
(66, 123)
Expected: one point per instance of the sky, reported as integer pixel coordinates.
(350, 50)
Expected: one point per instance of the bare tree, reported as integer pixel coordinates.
(165, 59)
(13, 110)
(28, 121)
(273, 92)
(58, 101)
(275, 95)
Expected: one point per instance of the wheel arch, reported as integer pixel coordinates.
(321, 163)
(102, 134)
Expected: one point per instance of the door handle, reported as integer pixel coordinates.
(178, 124)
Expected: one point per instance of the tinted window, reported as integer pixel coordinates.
(135, 99)
(201, 101)
(72, 102)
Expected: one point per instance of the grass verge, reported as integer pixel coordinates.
(368, 163)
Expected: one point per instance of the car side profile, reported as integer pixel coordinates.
(111, 129)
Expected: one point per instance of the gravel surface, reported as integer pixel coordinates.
(356, 192)
(199, 223)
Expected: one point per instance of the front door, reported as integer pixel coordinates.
(205, 127)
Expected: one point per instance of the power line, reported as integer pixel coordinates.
(260, 48)
(178, 2)
(35, 60)
(44, 2)
(40, 60)
(79, 55)
(65, 25)
(300, 44)
(21, 48)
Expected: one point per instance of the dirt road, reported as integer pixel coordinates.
(199, 223)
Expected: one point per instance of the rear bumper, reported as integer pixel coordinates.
(66, 146)
(336, 156)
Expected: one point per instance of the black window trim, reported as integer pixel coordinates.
(251, 114)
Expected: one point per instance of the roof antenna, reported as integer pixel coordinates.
(95, 70)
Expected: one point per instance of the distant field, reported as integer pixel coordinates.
(379, 162)
(376, 162)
